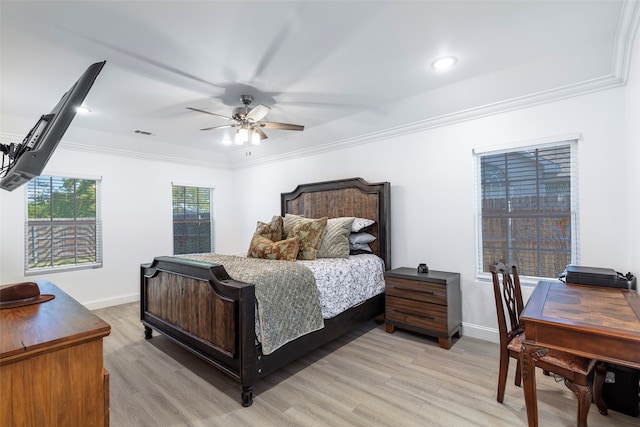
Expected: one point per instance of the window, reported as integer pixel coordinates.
(528, 208)
(63, 228)
(193, 226)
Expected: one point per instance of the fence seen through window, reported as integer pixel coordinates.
(63, 227)
(527, 216)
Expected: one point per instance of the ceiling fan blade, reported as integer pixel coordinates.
(281, 126)
(275, 45)
(220, 127)
(258, 113)
(259, 131)
(208, 112)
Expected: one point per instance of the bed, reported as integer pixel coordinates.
(199, 306)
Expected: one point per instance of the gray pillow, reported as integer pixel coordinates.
(359, 248)
(360, 238)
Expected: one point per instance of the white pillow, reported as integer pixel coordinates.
(360, 224)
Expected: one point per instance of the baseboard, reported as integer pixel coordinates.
(480, 332)
(108, 302)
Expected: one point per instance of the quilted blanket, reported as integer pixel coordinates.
(286, 293)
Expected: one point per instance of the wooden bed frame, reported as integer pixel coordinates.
(200, 307)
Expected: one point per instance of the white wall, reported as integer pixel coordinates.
(633, 157)
(137, 221)
(432, 188)
(432, 180)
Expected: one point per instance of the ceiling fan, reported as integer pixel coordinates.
(248, 121)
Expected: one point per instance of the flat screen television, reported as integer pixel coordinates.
(27, 159)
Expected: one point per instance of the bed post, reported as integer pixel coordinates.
(248, 349)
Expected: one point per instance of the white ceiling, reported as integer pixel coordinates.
(343, 69)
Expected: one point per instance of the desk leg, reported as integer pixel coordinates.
(529, 383)
(598, 385)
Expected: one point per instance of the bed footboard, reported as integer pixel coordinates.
(198, 306)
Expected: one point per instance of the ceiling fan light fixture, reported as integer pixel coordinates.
(248, 123)
(242, 136)
(255, 138)
(444, 62)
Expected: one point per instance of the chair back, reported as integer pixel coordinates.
(507, 292)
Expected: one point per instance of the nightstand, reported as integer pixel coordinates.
(427, 303)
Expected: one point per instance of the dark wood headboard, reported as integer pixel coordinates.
(346, 197)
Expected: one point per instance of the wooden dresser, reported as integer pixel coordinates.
(428, 303)
(51, 364)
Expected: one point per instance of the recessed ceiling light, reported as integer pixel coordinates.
(444, 62)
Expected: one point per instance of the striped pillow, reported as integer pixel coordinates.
(335, 241)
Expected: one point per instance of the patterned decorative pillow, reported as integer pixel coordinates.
(261, 247)
(271, 230)
(361, 224)
(309, 231)
(335, 240)
(289, 221)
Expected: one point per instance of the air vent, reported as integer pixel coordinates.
(143, 132)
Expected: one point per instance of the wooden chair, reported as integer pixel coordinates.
(575, 370)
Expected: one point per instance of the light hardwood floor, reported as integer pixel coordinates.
(367, 378)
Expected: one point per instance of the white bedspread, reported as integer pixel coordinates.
(344, 283)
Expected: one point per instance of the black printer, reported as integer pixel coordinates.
(596, 276)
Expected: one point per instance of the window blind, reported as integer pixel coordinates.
(528, 208)
(193, 224)
(63, 227)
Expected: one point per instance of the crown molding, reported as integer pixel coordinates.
(7, 138)
(627, 28)
(138, 155)
(569, 91)
(620, 66)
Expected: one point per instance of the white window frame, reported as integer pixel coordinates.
(98, 230)
(571, 140)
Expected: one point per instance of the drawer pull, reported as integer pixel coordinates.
(414, 290)
(410, 313)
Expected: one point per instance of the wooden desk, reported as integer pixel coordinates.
(589, 321)
(51, 364)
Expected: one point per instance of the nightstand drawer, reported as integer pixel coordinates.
(428, 303)
(419, 291)
(416, 313)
